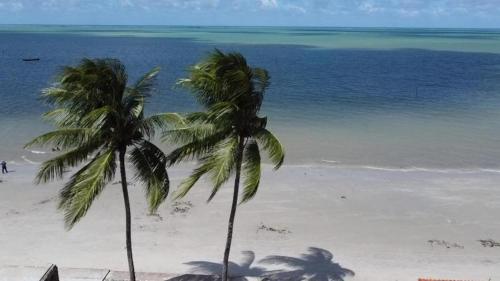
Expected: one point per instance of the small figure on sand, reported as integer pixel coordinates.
(4, 167)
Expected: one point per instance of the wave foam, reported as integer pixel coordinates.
(37, 152)
(29, 161)
(416, 169)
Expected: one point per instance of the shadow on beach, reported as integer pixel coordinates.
(315, 265)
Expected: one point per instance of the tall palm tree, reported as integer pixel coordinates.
(97, 117)
(228, 136)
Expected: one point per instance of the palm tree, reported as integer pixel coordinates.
(228, 136)
(98, 116)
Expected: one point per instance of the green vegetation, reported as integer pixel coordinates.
(97, 118)
(228, 136)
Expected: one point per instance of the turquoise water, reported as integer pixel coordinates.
(462, 40)
(395, 98)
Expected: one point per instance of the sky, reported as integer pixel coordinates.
(364, 13)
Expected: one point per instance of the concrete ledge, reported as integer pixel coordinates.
(83, 274)
(22, 273)
(34, 273)
(142, 276)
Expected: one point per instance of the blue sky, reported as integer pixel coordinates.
(403, 13)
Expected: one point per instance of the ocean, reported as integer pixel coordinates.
(383, 98)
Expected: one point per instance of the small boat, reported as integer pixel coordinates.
(31, 59)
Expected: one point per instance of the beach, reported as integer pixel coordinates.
(379, 224)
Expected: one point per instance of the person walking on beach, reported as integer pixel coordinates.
(4, 167)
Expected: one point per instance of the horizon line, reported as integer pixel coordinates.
(247, 26)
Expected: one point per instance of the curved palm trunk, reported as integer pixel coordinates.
(239, 158)
(127, 215)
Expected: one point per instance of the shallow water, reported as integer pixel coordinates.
(393, 98)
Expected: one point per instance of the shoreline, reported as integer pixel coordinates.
(328, 164)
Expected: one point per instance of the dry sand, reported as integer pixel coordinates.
(378, 224)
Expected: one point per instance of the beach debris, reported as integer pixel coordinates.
(444, 243)
(343, 197)
(156, 216)
(45, 201)
(147, 227)
(181, 207)
(12, 212)
(489, 243)
(487, 261)
(264, 227)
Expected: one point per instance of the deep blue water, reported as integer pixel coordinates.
(400, 107)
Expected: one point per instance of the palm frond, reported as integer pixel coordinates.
(136, 95)
(150, 164)
(79, 193)
(189, 132)
(145, 85)
(251, 170)
(202, 82)
(220, 111)
(98, 117)
(162, 121)
(56, 95)
(222, 160)
(189, 182)
(272, 145)
(61, 117)
(219, 78)
(134, 103)
(197, 146)
(219, 165)
(57, 166)
(261, 80)
(65, 138)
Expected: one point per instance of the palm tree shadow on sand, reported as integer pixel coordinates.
(316, 265)
(236, 271)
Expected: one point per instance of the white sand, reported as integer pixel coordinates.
(380, 230)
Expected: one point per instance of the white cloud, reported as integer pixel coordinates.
(408, 12)
(16, 6)
(268, 4)
(416, 9)
(127, 3)
(370, 7)
(295, 8)
(11, 5)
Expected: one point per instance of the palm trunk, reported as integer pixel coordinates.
(239, 158)
(127, 215)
